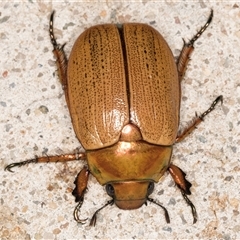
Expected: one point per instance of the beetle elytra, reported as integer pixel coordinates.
(122, 88)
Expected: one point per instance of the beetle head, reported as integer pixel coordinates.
(130, 194)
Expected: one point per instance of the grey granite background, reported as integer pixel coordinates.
(36, 200)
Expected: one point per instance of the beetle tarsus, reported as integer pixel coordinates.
(215, 102)
(51, 32)
(94, 217)
(197, 120)
(76, 213)
(165, 210)
(19, 164)
(52, 36)
(200, 32)
(194, 212)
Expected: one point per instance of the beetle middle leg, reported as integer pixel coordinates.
(79, 191)
(188, 48)
(46, 159)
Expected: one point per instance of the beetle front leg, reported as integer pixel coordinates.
(79, 191)
(59, 158)
(188, 48)
(179, 178)
(197, 120)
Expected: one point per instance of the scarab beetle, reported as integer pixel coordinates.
(122, 88)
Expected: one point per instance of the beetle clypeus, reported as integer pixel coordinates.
(122, 89)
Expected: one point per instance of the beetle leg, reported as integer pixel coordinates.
(76, 211)
(194, 212)
(188, 48)
(79, 191)
(81, 184)
(59, 158)
(179, 178)
(61, 59)
(197, 120)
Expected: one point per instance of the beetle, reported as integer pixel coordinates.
(122, 88)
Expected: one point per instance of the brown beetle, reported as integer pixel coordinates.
(122, 88)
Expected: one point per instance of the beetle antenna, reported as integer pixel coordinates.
(165, 210)
(194, 212)
(76, 212)
(94, 217)
(200, 32)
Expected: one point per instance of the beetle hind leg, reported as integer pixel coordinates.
(188, 48)
(179, 178)
(197, 120)
(61, 59)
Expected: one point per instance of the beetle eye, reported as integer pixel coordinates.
(150, 188)
(110, 190)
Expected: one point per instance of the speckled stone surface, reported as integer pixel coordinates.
(36, 200)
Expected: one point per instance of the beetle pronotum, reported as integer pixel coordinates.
(122, 88)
